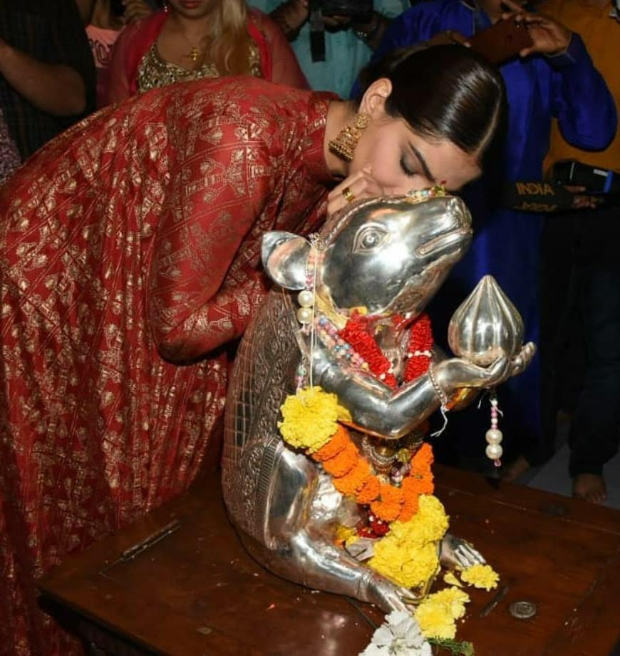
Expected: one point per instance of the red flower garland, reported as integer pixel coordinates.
(357, 334)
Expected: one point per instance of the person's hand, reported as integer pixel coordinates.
(361, 184)
(548, 36)
(290, 16)
(580, 200)
(135, 10)
(335, 23)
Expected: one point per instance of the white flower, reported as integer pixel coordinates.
(399, 635)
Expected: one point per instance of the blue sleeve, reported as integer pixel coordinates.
(412, 26)
(582, 103)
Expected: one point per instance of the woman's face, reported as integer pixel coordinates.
(402, 160)
(192, 8)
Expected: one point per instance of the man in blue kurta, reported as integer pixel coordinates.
(555, 79)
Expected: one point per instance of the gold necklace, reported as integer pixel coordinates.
(194, 53)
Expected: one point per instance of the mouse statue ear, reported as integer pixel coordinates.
(285, 257)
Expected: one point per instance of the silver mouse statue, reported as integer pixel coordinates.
(388, 256)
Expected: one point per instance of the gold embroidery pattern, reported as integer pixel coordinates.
(134, 234)
(154, 72)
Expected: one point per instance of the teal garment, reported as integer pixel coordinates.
(345, 53)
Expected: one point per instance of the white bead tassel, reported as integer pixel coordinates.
(494, 436)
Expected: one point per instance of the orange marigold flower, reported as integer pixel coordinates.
(343, 462)
(370, 491)
(419, 484)
(351, 483)
(339, 440)
(425, 485)
(410, 507)
(423, 458)
(389, 504)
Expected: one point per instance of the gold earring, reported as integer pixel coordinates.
(344, 144)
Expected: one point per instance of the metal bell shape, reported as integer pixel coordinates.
(486, 325)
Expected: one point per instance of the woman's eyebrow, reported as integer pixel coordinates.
(423, 163)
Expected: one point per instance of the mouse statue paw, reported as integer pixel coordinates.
(458, 553)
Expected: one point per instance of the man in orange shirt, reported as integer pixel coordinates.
(581, 275)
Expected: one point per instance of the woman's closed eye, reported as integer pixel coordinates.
(406, 167)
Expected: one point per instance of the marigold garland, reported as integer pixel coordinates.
(340, 457)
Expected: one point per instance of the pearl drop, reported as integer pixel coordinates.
(304, 315)
(494, 436)
(305, 299)
(494, 451)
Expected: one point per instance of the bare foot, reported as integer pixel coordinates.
(590, 487)
(515, 469)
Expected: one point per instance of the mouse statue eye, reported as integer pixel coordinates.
(369, 238)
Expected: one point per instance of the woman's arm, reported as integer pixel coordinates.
(54, 88)
(199, 300)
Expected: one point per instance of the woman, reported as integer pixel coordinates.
(194, 39)
(129, 260)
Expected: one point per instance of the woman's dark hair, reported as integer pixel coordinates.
(444, 92)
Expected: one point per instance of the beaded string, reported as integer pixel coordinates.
(306, 313)
(494, 436)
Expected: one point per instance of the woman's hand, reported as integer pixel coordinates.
(361, 184)
(548, 36)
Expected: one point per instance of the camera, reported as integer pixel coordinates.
(359, 11)
(594, 179)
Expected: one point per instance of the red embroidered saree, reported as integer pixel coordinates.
(129, 258)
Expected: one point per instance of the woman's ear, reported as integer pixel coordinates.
(373, 100)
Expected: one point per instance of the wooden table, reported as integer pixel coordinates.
(190, 588)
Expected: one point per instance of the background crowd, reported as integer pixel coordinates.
(555, 254)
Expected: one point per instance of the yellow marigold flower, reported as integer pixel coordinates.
(407, 564)
(481, 576)
(310, 418)
(345, 533)
(438, 613)
(435, 620)
(454, 599)
(422, 563)
(428, 525)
